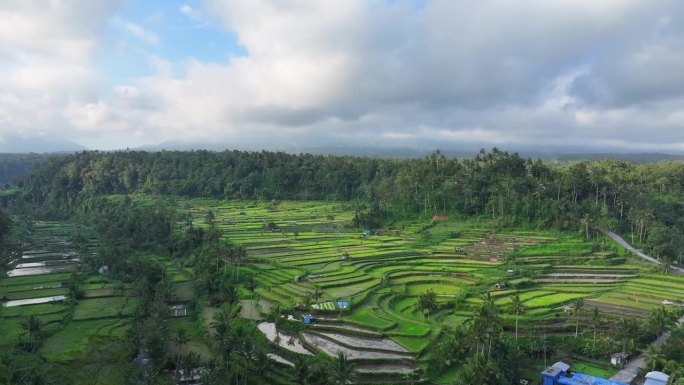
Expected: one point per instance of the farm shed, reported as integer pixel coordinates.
(178, 310)
(619, 359)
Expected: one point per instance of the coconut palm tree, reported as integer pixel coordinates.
(517, 307)
(33, 326)
(627, 330)
(660, 320)
(181, 337)
(224, 335)
(317, 294)
(189, 362)
(343, 369)
(321, 370)
(595, 321)
(665, 263)
(675, 370)
(428, 301)
(653, 356)
(301, 369)
(577, 306)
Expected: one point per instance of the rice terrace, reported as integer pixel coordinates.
(308, 192)
(128, 285)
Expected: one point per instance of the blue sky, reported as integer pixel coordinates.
(175, 36)
(296, 74)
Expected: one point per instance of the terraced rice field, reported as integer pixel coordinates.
(316, 257)
(40, 287)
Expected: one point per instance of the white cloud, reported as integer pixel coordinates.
(186, 9)
(575, 72)
(142, 33)
(45, 55)
(362, 71)
(93, 117)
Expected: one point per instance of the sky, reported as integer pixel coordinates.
(294, 74)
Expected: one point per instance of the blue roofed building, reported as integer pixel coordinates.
(560, 374)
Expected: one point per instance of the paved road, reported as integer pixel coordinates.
(631, 370)
(638, 252)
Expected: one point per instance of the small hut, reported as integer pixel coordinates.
(619, 359)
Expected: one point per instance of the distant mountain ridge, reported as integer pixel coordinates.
(51, 146)
(15, 145)
(410, 152)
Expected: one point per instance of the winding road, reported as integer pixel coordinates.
(638, 252)
(632, 369)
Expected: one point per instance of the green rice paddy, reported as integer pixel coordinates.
(315, 252)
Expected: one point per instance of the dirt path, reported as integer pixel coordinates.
(632, 369)
(638, 252)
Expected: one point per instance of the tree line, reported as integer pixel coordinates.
(640, 200)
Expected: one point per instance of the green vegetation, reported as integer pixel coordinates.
(440, 270)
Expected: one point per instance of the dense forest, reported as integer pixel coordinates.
(638, 200)
(15, 165)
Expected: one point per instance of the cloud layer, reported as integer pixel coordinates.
(583, 73)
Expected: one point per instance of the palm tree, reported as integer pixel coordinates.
(317, 294)
(517, 307)
(301, 369)
(595, 321)
(251, 284)
(586, 221)
(628, 329)
(577, 306)
(343, 369)
(33, 326)
(486, 324)
(660, 321)
(189, 362)
(674, 369)
(428, 301)
(665, 263)
(653, 356)
(237, 255)
(321, 370)
(224, 334)
(180, 337)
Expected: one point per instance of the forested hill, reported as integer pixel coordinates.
(13, 166)
(614, 194)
